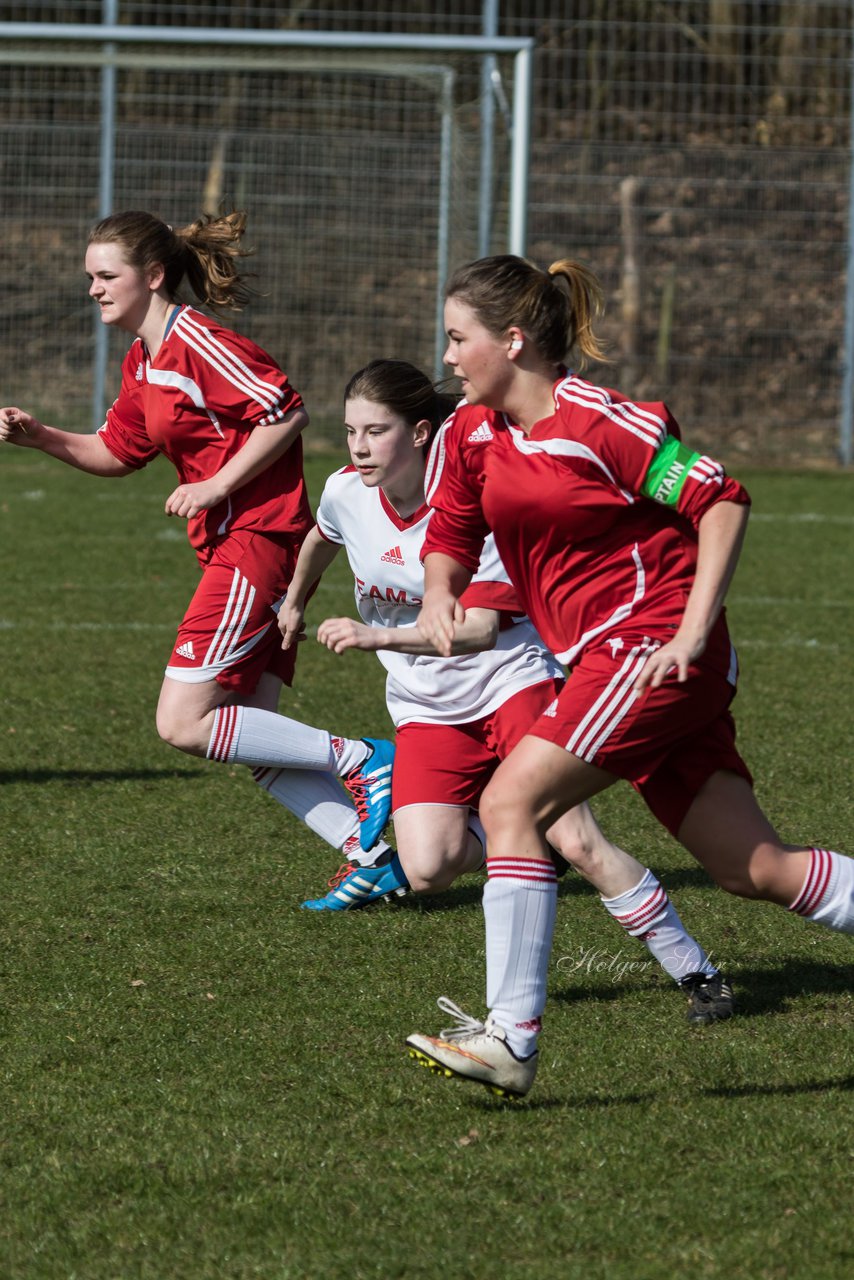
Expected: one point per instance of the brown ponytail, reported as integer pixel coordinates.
(555, 309)
(205, 253)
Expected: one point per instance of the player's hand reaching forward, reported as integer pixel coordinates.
(340, 634)
(16, 425)
(190, 500)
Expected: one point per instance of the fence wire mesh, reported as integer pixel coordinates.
(696, 155)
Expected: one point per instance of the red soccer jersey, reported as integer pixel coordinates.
(196, 402)
(583, 544)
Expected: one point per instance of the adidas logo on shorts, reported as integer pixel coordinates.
(551, 709)
(186, 651)
(481, 434)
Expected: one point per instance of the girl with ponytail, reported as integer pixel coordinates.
(222, 410)
(620, 541)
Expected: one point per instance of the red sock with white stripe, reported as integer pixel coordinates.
(248, 735)
(827, 895)
(519, 905)
(647, 913)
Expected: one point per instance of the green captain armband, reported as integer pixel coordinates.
(667, 472)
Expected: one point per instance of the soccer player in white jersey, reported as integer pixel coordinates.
(621, 542)
(225, 414)
(456, 718)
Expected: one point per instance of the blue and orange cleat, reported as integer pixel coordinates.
(353, 887)
(370, 786)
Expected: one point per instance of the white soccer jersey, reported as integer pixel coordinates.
(384, 552)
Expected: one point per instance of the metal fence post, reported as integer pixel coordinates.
(487, 130)
(847, 410)
(110, 17)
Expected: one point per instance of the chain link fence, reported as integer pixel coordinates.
(696, 155)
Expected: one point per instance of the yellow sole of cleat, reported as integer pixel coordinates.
(431, 1064)
(439, 1069)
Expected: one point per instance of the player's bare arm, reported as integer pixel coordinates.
(86, 452)
(263, 446)
(720, 537)
(479, 631)
(315, 557)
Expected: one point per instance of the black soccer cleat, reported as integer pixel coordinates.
(710, 998)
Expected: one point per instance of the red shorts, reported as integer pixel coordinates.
(451, 764)
(668, 741)
(229, 632)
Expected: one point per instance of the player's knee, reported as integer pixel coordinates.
(757, 877)
(177, 732)
(428, 881)
(433, 870)
(577, 851)
(499, 814)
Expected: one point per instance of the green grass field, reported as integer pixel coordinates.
(202, 1082)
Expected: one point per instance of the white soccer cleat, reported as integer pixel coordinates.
(475, 1051)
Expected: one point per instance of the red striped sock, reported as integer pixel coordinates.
(816, 883)
(226, 731)
(529, 870)
(827, 894)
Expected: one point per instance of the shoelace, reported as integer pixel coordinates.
(466, 1025)
(357, 785)
(346, 869)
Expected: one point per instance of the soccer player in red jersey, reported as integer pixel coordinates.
(224, 413)
(621, 542)
(455, 717)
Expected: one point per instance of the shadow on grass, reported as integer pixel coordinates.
(759, 992)
(71, 777)
(688, 878)
(589, 1102)
(844, 1084)
(570, 885)
(602, 994)
(598, 1101)
(459, 895)
(765, 991)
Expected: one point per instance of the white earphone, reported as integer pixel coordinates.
(517, 344)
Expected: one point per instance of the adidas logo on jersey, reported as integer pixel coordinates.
(186, 651)
(139, 372)
(481, 434)
(393, 556)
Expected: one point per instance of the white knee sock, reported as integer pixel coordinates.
(519, 905)
(322, 804)
(827, 895)
(646, 912)
(247, 735)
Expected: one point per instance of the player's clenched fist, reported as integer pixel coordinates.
(440, 613)
(15, 425)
